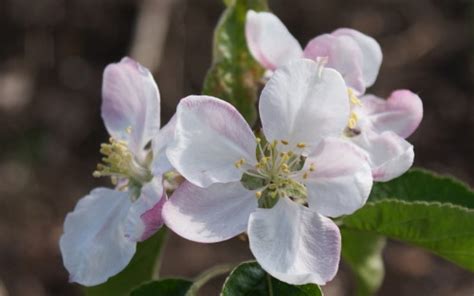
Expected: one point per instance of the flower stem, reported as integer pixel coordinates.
(269, 283)
(163, 240)
(207, 275)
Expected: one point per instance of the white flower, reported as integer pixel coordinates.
(100, 235)
(374, 124)
(380, 127)
(279, 191)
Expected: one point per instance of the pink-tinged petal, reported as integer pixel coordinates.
(401, 112)
(207, 215)
(210, 137)
(93, 245)
(269, 41)
(304, 103)
(342, 179)
(371, 53)
(343, 54)
(160, 142)
(389, 154)
(295, 244)
(144, 217)
(130, 103)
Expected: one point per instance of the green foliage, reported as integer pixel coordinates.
(423, 209)
(165, 287)
(422, 185)
(138, 271)
(362, 251)
(234, 75)
(250, 279)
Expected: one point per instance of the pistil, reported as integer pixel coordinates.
(276, 174)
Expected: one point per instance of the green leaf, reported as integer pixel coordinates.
(138, 271)
(362, 251)
(250, 279)
(422, 185)
(424, 209)
(168, 287)
(234, 75)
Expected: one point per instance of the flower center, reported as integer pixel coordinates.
(276, 174)
(119, 163)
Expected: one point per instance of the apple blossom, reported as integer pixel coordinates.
(279, 189)
(380, 127)
(101, 233)
(374, 124)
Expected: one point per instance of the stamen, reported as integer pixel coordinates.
(284, 142)
(301, 145)
(258, 194)
(321, 62)
(352, 120)
(312, 167)
(238, 164)
(353, 98)
(118, 162)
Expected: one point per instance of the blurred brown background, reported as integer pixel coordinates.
(52, 53)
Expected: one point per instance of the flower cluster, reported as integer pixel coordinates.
(322, 144)
(376, 125)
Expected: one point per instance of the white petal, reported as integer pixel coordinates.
(131, 103)
(93, 245)
(269, 41)
(210, 137)
(389, 154)
(144, 217)
(295, 244)
(299, 105)
(401, 112)
(342, 179)
(211, 214)
(343, 54)
(371, 53)
(160, 142)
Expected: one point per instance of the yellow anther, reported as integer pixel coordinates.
(264, 160)
(239, 163)
(258, 194)
(284, 142)
(301, 145)
(353, 98)
(352, 120)
(96, 174)
(284, 166)
(305, 175)
(128, 130)
(312, 167)
(258, 140)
